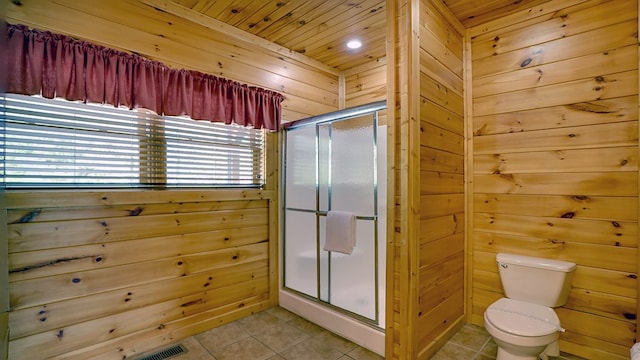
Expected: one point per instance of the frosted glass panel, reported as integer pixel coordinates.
(300, 269)
(352, 175)
(353, 276)
(301, 169)
(331, 166)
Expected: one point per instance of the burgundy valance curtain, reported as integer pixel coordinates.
(54, 65)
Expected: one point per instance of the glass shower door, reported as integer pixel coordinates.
(333, 165)
(301, 220)
(349, 184)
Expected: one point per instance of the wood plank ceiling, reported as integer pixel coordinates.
(316, 28)
(320, 29)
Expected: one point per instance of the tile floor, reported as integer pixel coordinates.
(277, 334)
(474, 343)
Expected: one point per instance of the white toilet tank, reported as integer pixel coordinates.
(535, 280)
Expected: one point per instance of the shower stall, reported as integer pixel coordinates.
(336, 162)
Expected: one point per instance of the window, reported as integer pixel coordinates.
(57, 143)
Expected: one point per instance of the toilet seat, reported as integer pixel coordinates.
(522, 318)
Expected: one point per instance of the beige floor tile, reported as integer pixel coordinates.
(312, 349)
(484, 357)
(221, 336)
(471, 336)
(195, 350)
(308, 327)
(276, 357)
(490, 348)
(244, 349)
(335, 341)
(360, 353)
(258, 322)
(277, 334)
(452, 351)
(281, 337)
(281, 313)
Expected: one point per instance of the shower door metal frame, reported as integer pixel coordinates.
(317, 121)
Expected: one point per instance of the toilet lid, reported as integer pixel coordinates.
(523, 318)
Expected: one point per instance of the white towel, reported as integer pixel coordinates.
(635, 351)
(340, 232)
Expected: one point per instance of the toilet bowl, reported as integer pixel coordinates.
(523, 323)
(522, 330)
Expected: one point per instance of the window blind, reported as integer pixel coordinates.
(57, 143)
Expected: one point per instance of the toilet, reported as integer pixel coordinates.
(524, 324)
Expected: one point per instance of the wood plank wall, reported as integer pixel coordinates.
(366, 83)
(555, 159)
(111, 274)
(182, 38)
(554, 162)
(442, 221)
(426, 304)
(401, 103)
(129, 294)
(392, 309)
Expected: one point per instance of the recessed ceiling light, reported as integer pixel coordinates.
(354, 44)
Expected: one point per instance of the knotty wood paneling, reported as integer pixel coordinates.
(402, 98)
(89, 275)
(578, 207)
(317, 28)
(110, 273)
(614, 61)
(551, 105)
(566, 115)
(366, 83)
(555, 161)
(606, 38)
(440, 257)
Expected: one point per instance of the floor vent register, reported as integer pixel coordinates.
(167, 353)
